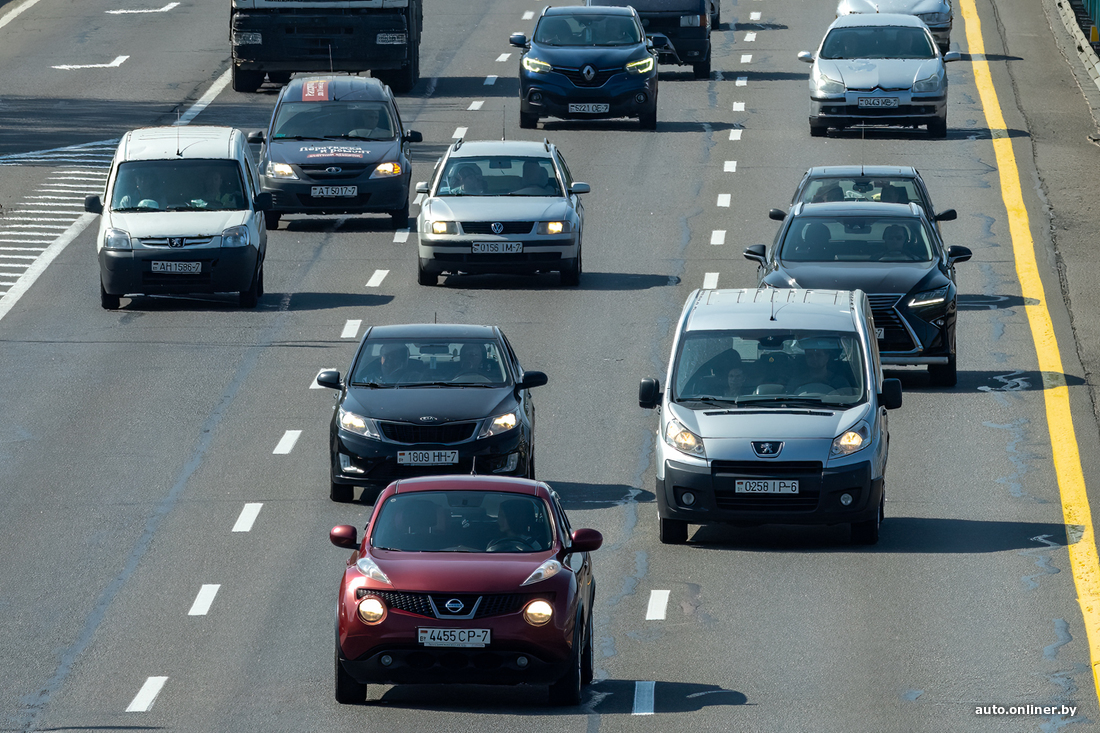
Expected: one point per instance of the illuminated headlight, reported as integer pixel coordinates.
(386, 170)
(931, 84)
(643, 66)
(547, 570)
(935, 17)
(235, 237)
(929, 297)
(370, 569)
(357, 424)
(683, 439)
(695, 21)
(826, 85)
(247, 39)
(851, 441)
(280, 170)
(498, 425)
(443, 227)
(116, 239)
(536, 66)
(538, 613)
(553, 227)
(372, 609)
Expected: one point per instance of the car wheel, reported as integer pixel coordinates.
(108, 301)
(648, 120)
(248, 298)
(531, 463)
(348, 690)
(672, 531)
(279, 77)
(566, 692)
(938, 128)
(400, 217)
(260, 282)
(342, 493)
(528, 121)
(702, 69)
(402, 80)
(423, 277)
(246, 81)
(571, 273)
(271, 220)
(588, 662)
(866, 533)
(818, 130)
(944, 375)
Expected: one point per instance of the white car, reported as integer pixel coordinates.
(936, 14)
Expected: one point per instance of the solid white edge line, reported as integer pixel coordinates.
(16, 11)
(286, 443)
(643, 698)
(147, 695)
(351, 328)
(247, 517)
(658, 599)
(201, 606)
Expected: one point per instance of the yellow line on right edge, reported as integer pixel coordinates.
(1067, 460)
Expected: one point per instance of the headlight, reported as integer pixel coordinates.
(935, 17)
(825, 85)
(498, 425)
(683, 439)
(386, 170)
(116, 239)
(929, 297)
(695, 21)
(547, 570)
(357, 424)
(931, 84)
(536, 66)
(856, 439)
(235, 237)
(370, 569)
(553, 227)
(538, 613)
(280, 170)
(643, 66)
(443, 227)
(372, 609)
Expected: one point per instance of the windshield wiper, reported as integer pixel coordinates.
(372, 385)
(131, 209)
(355, 137)
(762, 399)
(708, 400)
(441, 384)
(297, 137)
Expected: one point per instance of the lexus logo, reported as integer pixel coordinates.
(333, 169)
(497, 227)
(767, 448)
(427, 418)
(589, 73)
(454, 605)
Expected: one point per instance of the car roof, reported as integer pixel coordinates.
(181, 142)
(859, 208)
(475, 148)
(509, 484)
(870, 171)
(772, 308)
(341, 88)
(431, 330)
(874, 20)
(587, 10)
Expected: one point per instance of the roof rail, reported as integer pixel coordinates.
(546, 143)
(458, 143)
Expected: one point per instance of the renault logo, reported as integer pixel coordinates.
(767, 448)
(175, 241)
(589, 73)
(333, 169)
(497, 227)
(454, 605)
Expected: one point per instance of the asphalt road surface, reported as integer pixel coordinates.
(132, 442)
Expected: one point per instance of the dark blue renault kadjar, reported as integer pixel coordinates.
(335, 145)
(587, 63)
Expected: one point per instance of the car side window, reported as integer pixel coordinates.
(250, 176)
(567, 530)
(512, 358)
(564, 169)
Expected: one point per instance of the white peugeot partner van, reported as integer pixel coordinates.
(183, 214)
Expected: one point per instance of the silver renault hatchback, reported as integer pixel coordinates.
(774, 412)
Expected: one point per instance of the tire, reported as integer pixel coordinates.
(944, 375)
(566, 692)
(648, 120)
(571, 273)
(246, 81)
(348, 690)
(248, 298)
(866, 533)
(423, 277)
(531, 464)
(702, 69)
(818, 130)
(271, 220)
(282, 78)
(260, 282)
(938, 128)
(672, 531)
(108, 301)
(528, 121)
(400, 217)
(588, 662)
(402, 80)
(342, 493)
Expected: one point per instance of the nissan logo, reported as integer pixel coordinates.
(333, 169)
(767, 448)
(497, 227)
(454, 605)
(589, 73)
(175, 241)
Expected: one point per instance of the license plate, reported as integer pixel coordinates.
(453, 637)
(390, 39)
(880, 333)
(588, 108)
(494, 248)
(765, 486)
(178, 268)
(427, 457)
(329, 192)
(890, 102)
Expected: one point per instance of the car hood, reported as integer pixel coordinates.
(319, 152)
(445, 404)
(496, 208)
(459, 572)
(177, 223)
(878, 73)
(902, 7)
(769, 423)
(574, 57)
(895, 277)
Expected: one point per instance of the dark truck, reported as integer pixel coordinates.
(279, 37)
(684, 24)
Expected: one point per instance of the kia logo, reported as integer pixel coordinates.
(175, 241)
(427, 418)
(333, 169)
(454, 605)
(766, 449)
(497, 227)
(589, 73)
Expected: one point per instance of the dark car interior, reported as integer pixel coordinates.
(389, 362)
(463, 521)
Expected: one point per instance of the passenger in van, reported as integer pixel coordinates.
(820, 373)
(141, 190)
(224, 193)
(735, 381)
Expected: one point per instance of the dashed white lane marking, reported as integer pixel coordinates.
(201, 606)
(730, 166)
(735, 134)
(146, 695)
(643, 698)
(742, 81)
(16, 11)
(750, 37)
(62, 227)
(351, 328)
(738, 106)
(247, 517)
(724, 200)
(119, 61)
(504, 57)
(459, 132)
(165, 9)
(658, 599)
(401, 235)
(710, 282)
(528, 14)
(718, 236)
(476, 105)
(286, 443)
(377, 278)
(746, 58)
(490, 80)
(754, 16)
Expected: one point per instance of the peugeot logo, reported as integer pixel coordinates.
(175, 241)
(333, 169)
(497, 227)
(427, 418)
(454, 605)
(589, 73)
(767, 448)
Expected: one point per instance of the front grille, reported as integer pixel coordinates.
(499, 259)
(334, 202)
(201, 281)
(388, 470)
(408, 433)
(777, 469)
(491, 605)
(808, 474)
(318, 172)
(895, 336)
(904, 110)
(577, 76)
(486, 227)
(187, 241)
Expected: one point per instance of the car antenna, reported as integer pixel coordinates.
(179, 153)
(771, 317)
(503, 123)
(330, 70)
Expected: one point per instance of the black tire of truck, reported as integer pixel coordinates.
(247, 81)
(402, 80)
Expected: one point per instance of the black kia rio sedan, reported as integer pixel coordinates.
(894, 254)
(430, 399)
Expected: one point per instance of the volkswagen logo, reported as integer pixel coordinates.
(589, 73)
(427, 418)
(175, 241)
(454, 605)
(767, 448)
(333, 169)
(497, 227)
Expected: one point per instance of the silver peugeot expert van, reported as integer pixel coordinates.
(774, 412)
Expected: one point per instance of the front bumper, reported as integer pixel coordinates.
(224, 270)
(455, 253)
(550, 94)
(942, 35)
(296, 41)
(911, 110)
(914, 336)
(373, 195)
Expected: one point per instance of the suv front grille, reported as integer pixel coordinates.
(577, 76)
(408, 433)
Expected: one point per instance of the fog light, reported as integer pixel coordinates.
(687, 498)
(846, 499)
(536, 97)
(346, 466)
(510, 464)
(640, 97)
(371, 610)
(521, 662)
(538, 613)
(386, 660)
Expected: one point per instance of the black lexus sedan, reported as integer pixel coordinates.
(893, 253)
(430, 399)
(587, 63)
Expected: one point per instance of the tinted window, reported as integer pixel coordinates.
(883, 42)
(856, 239)
(499, 175)
(463, 521)
(587, 30)
(357, 120)
(884, 189)
(406, 362)
(178, 185)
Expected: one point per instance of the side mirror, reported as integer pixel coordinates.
(805, 57)
(256, 136)
(421, 186)
(659, 42)
(891, 394)
(518, 40)
(93, 205)
(951, 56)
(586, 540)
(757, 253)
(344, 535)
(412, 136)
(649, 393)
(777, 214)
(329, 378)
(946, 215)
(532, 379)
(955, 253)
(580, 188)
(263, 202)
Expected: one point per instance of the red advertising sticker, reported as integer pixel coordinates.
(315, 91)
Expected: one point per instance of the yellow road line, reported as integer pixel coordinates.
(1067, 460)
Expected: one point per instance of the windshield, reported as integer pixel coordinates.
(587, 30)
(880, 42)
(361, 120)
(178, 185)
(769, 368)
(856, 239)
(411, 362)
(886, 189)
(463, 521)
(499, 175)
